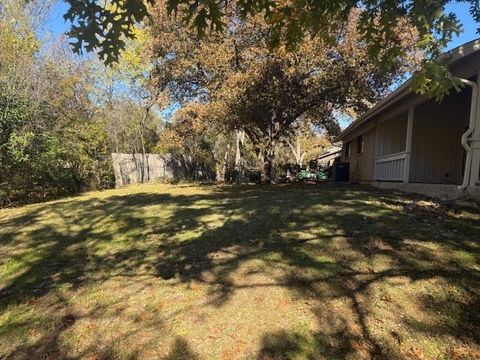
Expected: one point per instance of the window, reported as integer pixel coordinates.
(347, 150)
(360, 144)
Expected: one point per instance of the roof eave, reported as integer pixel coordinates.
(398, 94)
(449, 57)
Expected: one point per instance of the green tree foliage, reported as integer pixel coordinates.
(194, 132)
(104, 27)
(128, 108)
(50, 142)
(129, 126)
(62, 116)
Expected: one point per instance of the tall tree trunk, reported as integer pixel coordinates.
(225, 162)
(116, 138)
(269, 166)
(239, 142)
(261, 165)
(240, 139)
(221, 167)
(268, 176)
(297, 152)
(270, 153)
(145, 162)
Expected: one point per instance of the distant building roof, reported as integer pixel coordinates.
(329, 152)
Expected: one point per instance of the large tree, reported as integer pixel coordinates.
(191, 132)
(263, 92)
(306, 142)
(126, 105)
(103, 26)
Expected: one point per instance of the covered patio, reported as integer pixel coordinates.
(424, 143)
(416, 144)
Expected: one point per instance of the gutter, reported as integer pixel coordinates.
(449, 58)
(466, 134)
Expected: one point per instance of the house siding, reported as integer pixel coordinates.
(434, 152)
(391, 135)
(437, 154)
(361, 165)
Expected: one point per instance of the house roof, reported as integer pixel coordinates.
(331, 151)
(449, 58)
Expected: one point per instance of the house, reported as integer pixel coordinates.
(329, 156)
(415, 144)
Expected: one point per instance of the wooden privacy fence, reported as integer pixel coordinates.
(142, 168)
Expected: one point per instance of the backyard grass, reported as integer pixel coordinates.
(215, 272)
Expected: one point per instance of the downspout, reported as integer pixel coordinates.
(466, 134)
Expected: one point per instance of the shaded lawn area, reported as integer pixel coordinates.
(210, 272)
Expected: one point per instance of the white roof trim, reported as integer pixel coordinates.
(450, 58)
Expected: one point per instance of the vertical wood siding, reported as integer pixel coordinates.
(391, 135)
(437, 154)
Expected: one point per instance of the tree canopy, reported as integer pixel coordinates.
(62, 116)
(105, 27)
(246, 85)
(237, 82)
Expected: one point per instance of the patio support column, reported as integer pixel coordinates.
(408, 145)
(475, 143)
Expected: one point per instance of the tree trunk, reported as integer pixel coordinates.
(145, 162)
(269, 166)
(225, 162)
(268, 163)
(116, 138)
(261, 165)
(239, 141)
(270, 154)
(221, 167)
(297, 152)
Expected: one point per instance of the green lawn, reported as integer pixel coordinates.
(211, 272)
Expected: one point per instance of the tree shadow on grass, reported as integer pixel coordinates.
(322, 243)
(181, 351)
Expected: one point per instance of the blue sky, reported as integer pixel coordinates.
(469, 26)
(55, 25)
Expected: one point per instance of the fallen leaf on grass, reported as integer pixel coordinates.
(415, 353)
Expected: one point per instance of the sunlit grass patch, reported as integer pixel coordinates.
(216, 272)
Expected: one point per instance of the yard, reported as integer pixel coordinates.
(215, 272)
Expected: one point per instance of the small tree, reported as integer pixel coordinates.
(306, 143)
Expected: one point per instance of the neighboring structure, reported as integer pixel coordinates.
(412, 143)
(327, 158)
(139, 168)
